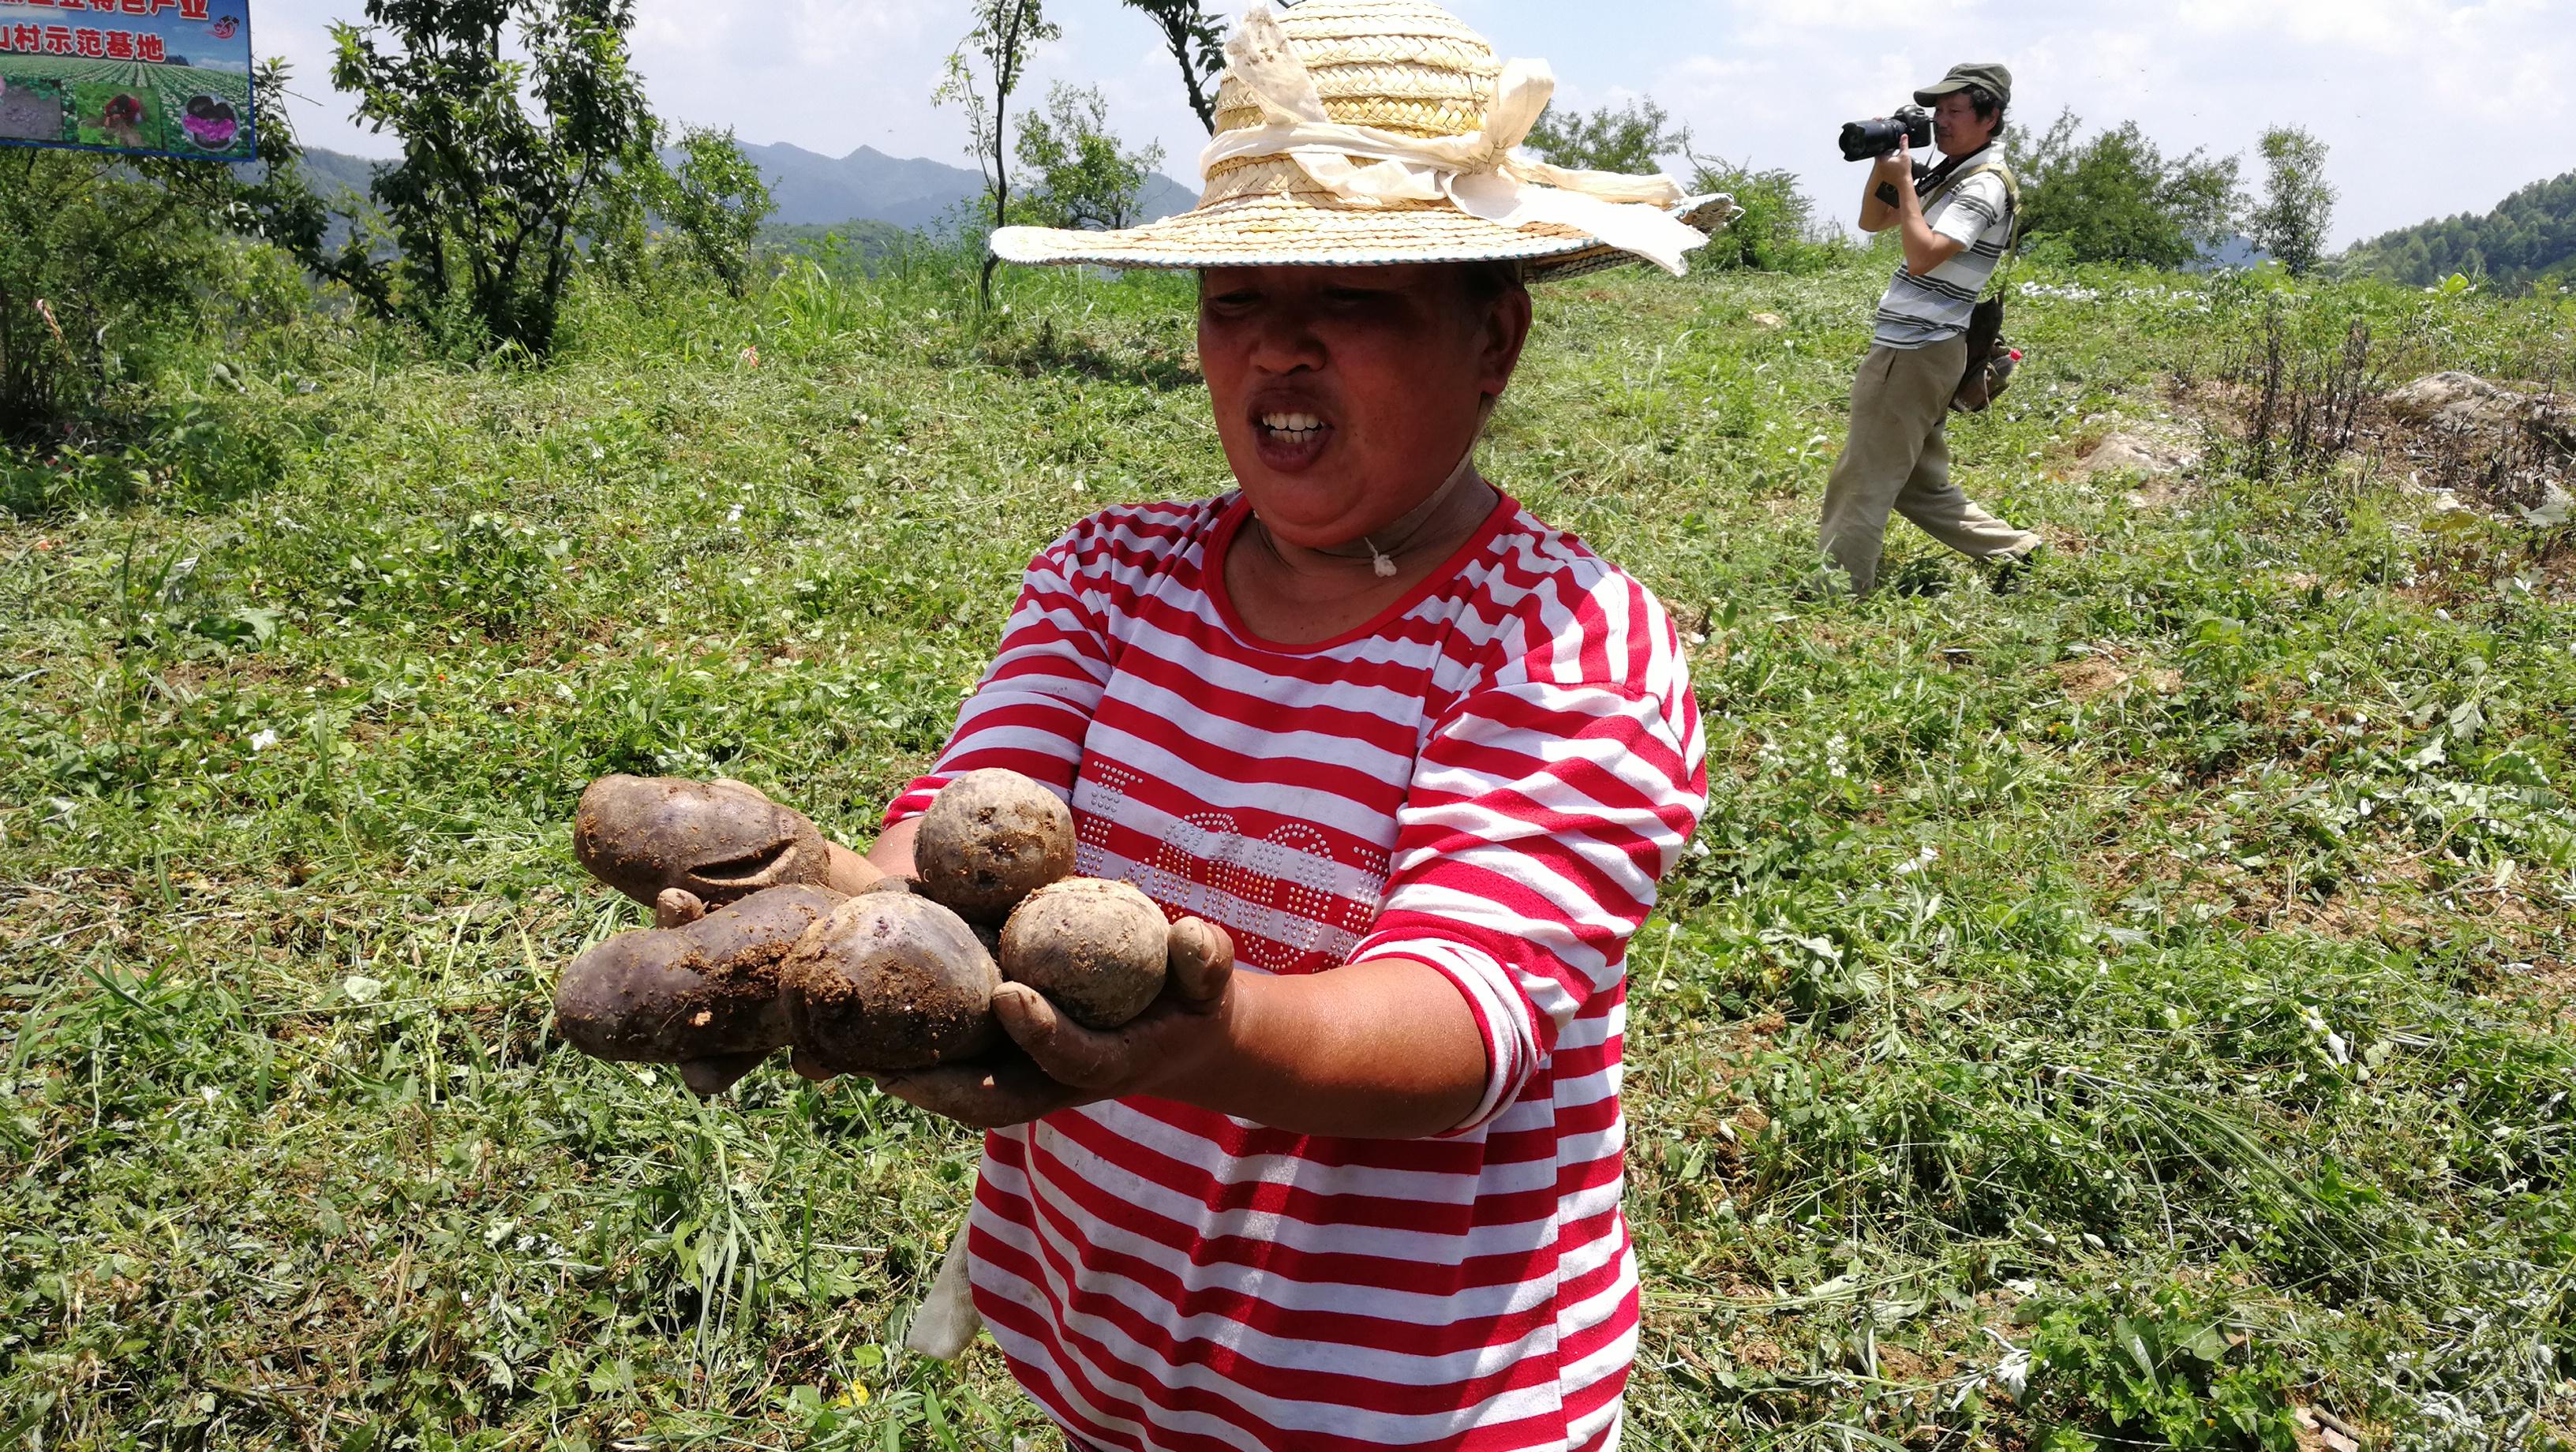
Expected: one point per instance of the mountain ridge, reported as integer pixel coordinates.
(809, 189)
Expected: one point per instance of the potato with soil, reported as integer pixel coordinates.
(719, 840)
(705, 990)
(1098, 948)
(991, 838)
(890, 982)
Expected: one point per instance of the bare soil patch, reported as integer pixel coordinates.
(2091, 677)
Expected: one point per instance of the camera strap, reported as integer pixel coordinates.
(1939, 180)
(1988, 369)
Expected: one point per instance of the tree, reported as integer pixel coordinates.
(1628, 139)
(1197, 42)
(1080, 175)
(708, 200)
(715, 201)
(2117, 198)
(1004, 34)
(2298, 203)
(504, 159)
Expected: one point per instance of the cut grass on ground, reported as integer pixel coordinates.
(2133, 1007)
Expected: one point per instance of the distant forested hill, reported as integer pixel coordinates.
(2529, 239)
(812, 190)
(329, 172)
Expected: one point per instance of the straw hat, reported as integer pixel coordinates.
(1352, 132)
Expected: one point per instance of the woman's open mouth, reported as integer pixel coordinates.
(1290, 440)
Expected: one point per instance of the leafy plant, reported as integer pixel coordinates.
(1080, 174)
(1776, 230)
(711, 204)
(106, 261)
(2171, 1366)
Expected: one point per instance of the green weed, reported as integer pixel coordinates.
(2124, 1010)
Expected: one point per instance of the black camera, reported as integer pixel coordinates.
(1868, 140)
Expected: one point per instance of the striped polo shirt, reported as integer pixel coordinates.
(1920, 311)
(1488, 778)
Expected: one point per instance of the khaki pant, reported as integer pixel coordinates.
(1896, 458)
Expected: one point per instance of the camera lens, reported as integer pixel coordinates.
(1865, 140)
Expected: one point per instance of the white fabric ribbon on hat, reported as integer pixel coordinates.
(1477, 172)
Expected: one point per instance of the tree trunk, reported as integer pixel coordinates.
(1005, 76)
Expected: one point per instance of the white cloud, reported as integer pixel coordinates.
(2426, 104)
(2430, 106)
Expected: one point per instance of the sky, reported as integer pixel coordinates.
(2430, 107)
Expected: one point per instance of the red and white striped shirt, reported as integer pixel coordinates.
(1489, 778)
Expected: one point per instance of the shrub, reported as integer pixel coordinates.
(1775, 232)
(107, 260)
(2117, 198)
(711, 204)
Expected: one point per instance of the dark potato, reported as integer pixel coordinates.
(706, 990)
(991, 838)
(1097, 948)
(721, 840)
(888, 982)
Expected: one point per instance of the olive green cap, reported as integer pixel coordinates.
(1989, 74)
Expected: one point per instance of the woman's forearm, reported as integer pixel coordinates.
(1386, 1049)
(889, 856)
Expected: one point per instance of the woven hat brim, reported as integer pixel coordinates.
(1272, 230)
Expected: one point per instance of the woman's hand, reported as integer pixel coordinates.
(1386, 1049)
(1062, 1065)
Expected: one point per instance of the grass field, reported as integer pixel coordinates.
(2125, 1009)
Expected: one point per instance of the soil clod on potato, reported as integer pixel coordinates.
(890, 982)
(721, 840)
(709, 989)
(991, 838)
(1097, 948)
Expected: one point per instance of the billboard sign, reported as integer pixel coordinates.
(142, 77)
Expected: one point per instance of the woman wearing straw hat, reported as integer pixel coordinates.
(1371, 717)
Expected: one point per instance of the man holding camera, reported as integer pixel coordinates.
(1955, 220)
